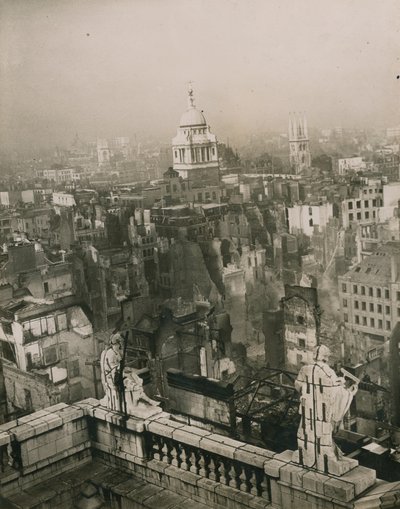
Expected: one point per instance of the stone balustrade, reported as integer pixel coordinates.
(207, 468)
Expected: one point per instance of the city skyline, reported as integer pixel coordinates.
(105, 69)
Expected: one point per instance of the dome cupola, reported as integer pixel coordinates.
(192, 116)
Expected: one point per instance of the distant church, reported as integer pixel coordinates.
(299, 146)
(194, 148)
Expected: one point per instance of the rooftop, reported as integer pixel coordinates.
(28, 307)
(376, 268)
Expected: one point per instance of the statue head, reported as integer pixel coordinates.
(322, 353)
(116, 341)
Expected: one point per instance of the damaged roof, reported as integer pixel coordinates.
(377, 267)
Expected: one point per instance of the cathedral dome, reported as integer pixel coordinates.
(192, 117)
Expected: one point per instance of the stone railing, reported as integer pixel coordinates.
(226, 471)
(198, 464)
(210, 456)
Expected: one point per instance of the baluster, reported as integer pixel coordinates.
(3, 458)
(212, 469)
(165, 457)
(264, 487)
(194, 461)
(203, 464)
(174, 452)
(184, 458)
(222, 472)
(244, 479)
(254, 482)
(156, 448)
(234, 480)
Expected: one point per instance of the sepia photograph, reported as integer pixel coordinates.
(199, 254)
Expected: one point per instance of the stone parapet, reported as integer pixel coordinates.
(341, 491)
(43, 444)
(199, 465)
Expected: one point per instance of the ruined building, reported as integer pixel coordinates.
(46, 345)
(301, 319)
(104, 278)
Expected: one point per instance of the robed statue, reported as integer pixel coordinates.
(123, 387)
(325, 399)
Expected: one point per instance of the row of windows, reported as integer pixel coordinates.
(359, 216)
(372, 322)
(207, 196)
(372, 292)
(379, 307)
(175, 188)
(375, 203)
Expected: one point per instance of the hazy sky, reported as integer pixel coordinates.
(104, 68)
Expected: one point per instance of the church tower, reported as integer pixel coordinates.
(194, 148)
(103, 153)
(300, 157)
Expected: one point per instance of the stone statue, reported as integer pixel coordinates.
(110, 363)
(129, 386)
(134, 392)
(324, 401)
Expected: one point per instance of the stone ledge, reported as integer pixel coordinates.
(292, 474)
(100, 413)
(7, 426)
(225, 447)
(314, 481)
(53, 421)
(5, 438)
(186, 436)
(272, 467)
(23, 432)
(361, 477)
(40, 425)
(253, 455)
(56, 408)
(339, 488)
(71, 413)
(88, 403)
(163, 427)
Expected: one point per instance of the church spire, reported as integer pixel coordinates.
(191, 102)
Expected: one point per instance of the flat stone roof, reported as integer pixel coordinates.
(65, 487)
